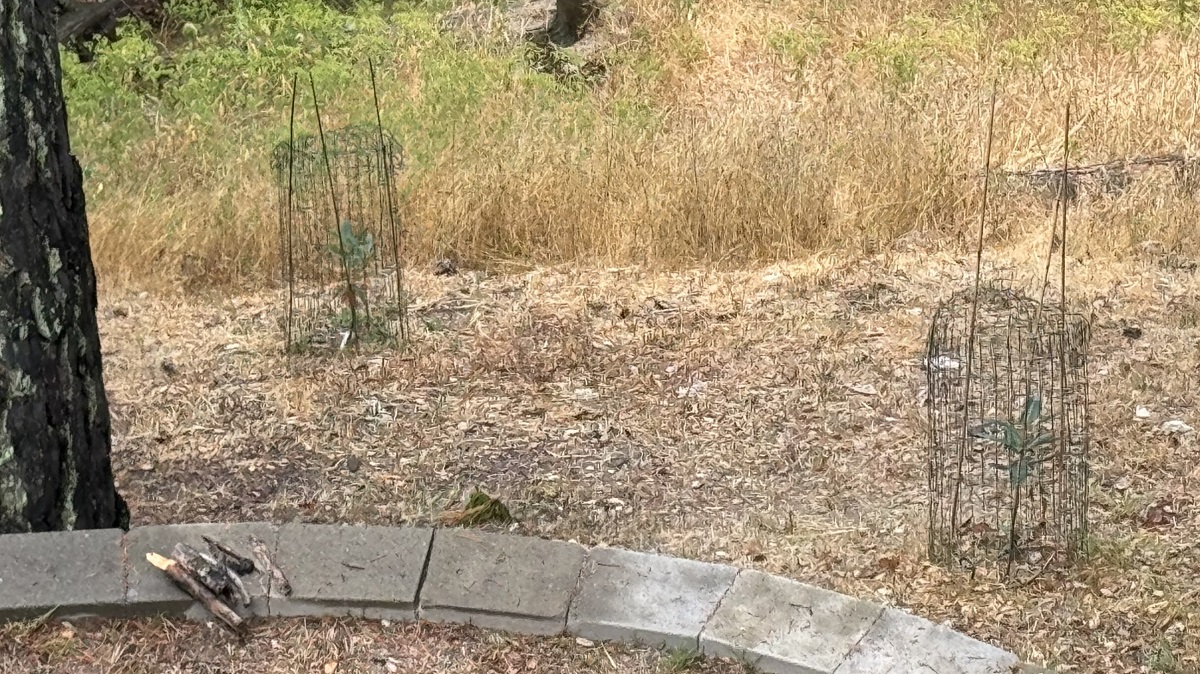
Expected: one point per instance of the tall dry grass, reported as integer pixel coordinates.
(725, 132)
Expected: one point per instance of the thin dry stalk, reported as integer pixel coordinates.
(970, 353)
(351, 296)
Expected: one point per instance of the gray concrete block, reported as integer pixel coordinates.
(334, 570)
(151, 592)
(781, 626)
(900, 642)
(77, 573)
(650, 599)
(510, 583)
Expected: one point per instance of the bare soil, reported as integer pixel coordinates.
(768, 418)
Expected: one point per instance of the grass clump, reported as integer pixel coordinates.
(713, 132)
(678, 660)
(480, 509)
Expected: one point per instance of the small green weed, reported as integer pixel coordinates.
(681, 660)
(896, 60)
(797, 47)
(1163, 659)
(1132, 24)
(480, 509)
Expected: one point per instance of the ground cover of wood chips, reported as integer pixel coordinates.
(321, 647)
(768, 418)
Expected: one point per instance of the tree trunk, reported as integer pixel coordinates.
(570, 17)
(54, 425)
(83, 20)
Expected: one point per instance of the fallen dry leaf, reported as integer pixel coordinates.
(1161, 513)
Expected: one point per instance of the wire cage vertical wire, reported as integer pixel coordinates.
(340, 237)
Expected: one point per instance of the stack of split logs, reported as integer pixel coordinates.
(214, 578)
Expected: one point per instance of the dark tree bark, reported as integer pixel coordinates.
(83, 20)
(570, 18)
(54, 425)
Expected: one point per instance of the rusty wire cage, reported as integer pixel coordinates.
(340, 238)
(1008, 432)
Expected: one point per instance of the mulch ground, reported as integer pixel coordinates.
(768, 418)
(320, 647)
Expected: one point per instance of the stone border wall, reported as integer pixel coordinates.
(503, 582)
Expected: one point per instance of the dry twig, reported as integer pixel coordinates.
(185, 579)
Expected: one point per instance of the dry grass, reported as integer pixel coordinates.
(319, 646)
(726, 131)
(700, 413)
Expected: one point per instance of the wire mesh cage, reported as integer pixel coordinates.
(340, 238)
(1008, 433)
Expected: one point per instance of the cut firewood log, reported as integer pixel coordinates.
(184, 578)
(238, 589)
(240, 565)
(279, 581)
(212, 572)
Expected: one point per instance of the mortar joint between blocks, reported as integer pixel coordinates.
(865, 634)
(274, 552)
(125, 563)
(717, 607)
(587, 557)
(417, 600)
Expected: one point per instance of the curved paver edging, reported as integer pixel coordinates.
(498, 581)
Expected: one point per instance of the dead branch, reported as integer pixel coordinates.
(184, 578)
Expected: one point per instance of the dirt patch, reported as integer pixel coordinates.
(580, 59)
(768, 418)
